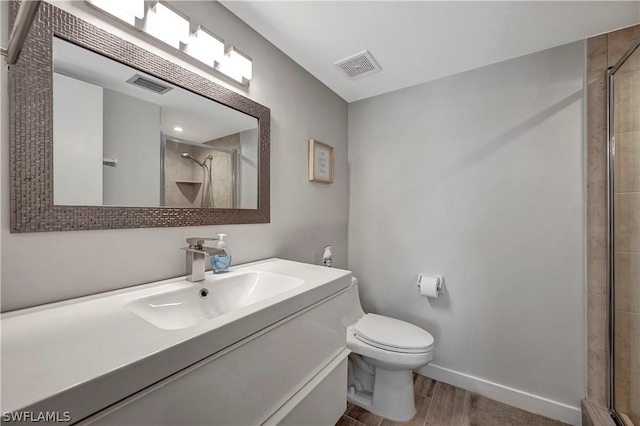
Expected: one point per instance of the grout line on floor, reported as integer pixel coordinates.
(433, 396)
(357, 421)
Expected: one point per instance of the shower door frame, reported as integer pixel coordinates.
(610, 264)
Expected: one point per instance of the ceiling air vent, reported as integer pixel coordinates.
(147, 83)
(358, 65)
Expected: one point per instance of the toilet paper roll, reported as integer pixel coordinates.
(430, 285)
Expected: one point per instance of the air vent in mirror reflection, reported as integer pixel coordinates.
(148, 84)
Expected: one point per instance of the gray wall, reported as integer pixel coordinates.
(479, 176)
(43, 267)
(131, 135)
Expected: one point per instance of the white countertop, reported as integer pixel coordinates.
(82, 354)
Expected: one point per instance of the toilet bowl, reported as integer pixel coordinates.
(385, 351)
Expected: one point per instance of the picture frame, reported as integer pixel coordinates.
(320, 162)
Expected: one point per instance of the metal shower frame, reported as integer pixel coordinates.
(611, 146)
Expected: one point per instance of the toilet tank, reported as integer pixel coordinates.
(354, 308)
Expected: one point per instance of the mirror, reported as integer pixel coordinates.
(124, 138)
(95, 140)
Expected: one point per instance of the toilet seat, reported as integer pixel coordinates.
(392, 335)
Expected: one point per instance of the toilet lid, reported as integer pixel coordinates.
(392, 334)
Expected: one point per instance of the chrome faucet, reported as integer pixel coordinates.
(197, 254)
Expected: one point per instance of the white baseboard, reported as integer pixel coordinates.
(514, 397)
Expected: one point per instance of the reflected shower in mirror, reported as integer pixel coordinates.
(125, 138)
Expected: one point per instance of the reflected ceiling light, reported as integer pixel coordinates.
(167, 25)
(178, 129)
(237, 65)
(125, 10)
(205, 47)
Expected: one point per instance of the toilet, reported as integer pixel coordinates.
(384, 353)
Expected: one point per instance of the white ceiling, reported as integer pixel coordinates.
(201, 119)
(419, 41)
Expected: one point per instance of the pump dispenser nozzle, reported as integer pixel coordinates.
(327, 256)
(221, 244)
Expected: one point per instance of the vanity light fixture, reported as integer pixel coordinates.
(236, 65)
(205, 47)
(125, 10)
(167, 25)
(163, 22)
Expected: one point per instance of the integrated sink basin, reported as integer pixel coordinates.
(217, 295)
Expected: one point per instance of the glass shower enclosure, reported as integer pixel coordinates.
(623, 122)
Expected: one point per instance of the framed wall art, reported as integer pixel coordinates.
(320, 162)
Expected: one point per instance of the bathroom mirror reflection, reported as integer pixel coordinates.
(124, 138)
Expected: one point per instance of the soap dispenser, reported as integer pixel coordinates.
(220, 262)
(327, 256)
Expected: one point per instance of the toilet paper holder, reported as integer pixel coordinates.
(439, 281)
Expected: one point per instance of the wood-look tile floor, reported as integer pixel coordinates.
(440, 404)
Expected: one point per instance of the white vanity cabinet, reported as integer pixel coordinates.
(291, 372)
(265, 344)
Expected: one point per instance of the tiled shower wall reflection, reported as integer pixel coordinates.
(183, 178)
(602, 52)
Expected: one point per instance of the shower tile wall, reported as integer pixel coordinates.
(627, 238)
(604, 51)
(178, 169)
(182, 183)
